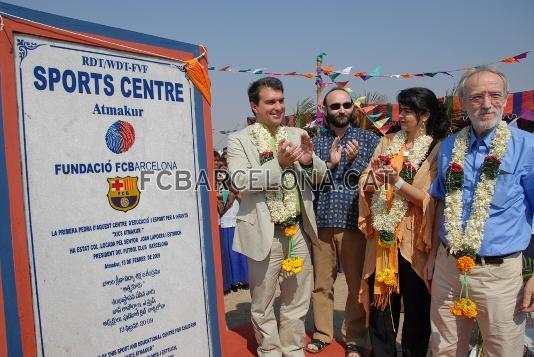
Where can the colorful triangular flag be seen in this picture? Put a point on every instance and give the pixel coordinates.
(375, 72)
(385, 128)
(373, 117)
(346, 70)
(328, 69)
(342, 84)
(358, 101)
(381, 122)
(333, 76)
(368, 108)
(515, 58)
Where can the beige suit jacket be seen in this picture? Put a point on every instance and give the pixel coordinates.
(255, 230)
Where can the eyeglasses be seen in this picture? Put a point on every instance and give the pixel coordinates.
(336, 106)
(495, 98)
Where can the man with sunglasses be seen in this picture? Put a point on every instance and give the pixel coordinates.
(347, 152)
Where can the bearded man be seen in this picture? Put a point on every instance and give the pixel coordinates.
(485, 198)
(347, 152)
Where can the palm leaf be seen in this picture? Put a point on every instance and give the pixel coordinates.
(304, 112)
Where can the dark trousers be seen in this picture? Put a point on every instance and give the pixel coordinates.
(383, 325)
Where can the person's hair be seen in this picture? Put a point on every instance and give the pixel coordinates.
(461, 85)
(256, 86)
(423, 100)
(333, 90)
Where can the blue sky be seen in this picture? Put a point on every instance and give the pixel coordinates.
(283, 36)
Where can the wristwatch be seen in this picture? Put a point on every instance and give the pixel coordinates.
(399, 183)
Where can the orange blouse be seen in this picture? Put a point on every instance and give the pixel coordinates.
(414, 232)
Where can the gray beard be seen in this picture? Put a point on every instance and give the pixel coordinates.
(487, 126)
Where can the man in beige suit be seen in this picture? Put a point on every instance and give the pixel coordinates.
(259, 158)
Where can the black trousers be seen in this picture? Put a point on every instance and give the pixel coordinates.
(383, 325)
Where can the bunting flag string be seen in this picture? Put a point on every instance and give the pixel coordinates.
(261, 71)
(332, 74)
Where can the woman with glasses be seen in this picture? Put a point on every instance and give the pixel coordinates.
(396, 215)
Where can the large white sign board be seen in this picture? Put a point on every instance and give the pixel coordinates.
(116, 267)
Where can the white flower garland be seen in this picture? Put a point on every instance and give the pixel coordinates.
(418, 152)
(282, 203)
(474, 231)
(384, 220)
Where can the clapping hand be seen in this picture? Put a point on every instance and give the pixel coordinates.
(351, 149)
(288, 153)
(306, 145)
(335, 152)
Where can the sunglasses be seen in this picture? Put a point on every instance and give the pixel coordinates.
(336, 106)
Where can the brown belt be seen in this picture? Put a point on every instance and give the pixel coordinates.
(490, 259)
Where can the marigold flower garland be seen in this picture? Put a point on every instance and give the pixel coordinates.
(282, 203)
(386, 221)
(465, 244)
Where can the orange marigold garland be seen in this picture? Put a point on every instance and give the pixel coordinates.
(464, 307)
(465, 264)
(292, 264)
(470, 309)
(291, 230)
(387, 277)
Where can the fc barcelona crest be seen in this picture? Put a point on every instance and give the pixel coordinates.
(123, 194)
